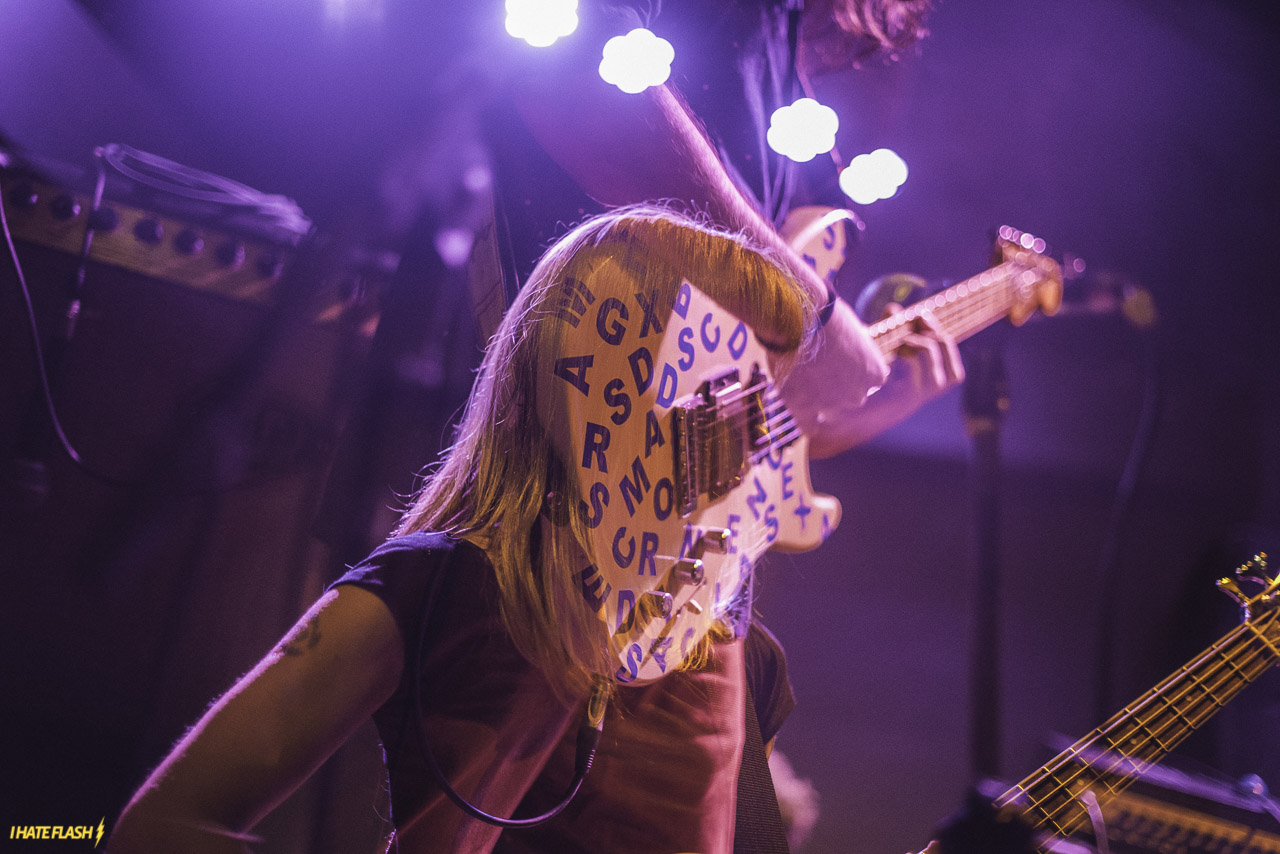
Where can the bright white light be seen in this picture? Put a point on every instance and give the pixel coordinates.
(636, 61)
(339, 13)
(871, 177)
(454, 246)
(803, 130)
(541, 22)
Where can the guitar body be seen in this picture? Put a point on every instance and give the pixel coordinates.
(659, 400)
(687, 464)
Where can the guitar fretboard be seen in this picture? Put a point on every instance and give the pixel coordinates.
(965, 308)
(1120, 750)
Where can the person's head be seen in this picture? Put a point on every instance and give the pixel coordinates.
(505, 482)
(835, 35)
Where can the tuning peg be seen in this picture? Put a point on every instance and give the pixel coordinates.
(1229, 586)
(1014, 237)
(1073, 266)
(1255, 570)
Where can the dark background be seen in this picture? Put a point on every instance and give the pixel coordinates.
(1140, 136)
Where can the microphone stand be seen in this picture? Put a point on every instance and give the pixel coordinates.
(986, 401)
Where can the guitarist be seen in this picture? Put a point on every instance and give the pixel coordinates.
(457, 635)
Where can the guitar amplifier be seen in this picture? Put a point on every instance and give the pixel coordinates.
(228, 248)
(204, 385)
(150, 304)
(1172, 812)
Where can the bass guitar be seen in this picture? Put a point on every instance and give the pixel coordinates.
(692, 466)
(1068, 792)
(1057, 799)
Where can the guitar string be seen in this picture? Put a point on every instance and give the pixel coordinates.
(1222, 657)
(1099, 776)
(962, 295)
(1119, 779)
(962, 309)
(982, 303)
(1222, 654)
(776, 419)
(979, 309)
(1109, 730)
(977, 302)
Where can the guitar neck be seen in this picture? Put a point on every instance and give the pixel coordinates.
(1116, 753)
(963, 309)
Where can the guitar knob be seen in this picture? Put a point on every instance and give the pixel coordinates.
(65, 207)
(715, 540)
(149, 230)
(24, 196)
(230, 254)
(189, 242)
(689, 571)
(657, 603)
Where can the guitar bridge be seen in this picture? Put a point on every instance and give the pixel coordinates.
(714, 431)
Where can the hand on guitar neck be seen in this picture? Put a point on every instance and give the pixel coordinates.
(919, 341)
(925, 364)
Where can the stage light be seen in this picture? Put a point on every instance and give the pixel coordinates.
(541, 22)
(636, 61)
(454, 246)
(803, 130)
(871, 177)
(339, 13)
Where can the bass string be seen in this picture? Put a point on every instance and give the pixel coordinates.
(960, 317)
(1068, 813)
(974, 304)
(1218, 664)
(737, 420)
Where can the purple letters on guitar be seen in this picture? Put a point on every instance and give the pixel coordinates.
(689, 465)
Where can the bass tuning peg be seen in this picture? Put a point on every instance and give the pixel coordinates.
(1255, 569)
(1230, 587)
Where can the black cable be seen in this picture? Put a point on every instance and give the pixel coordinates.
(33, 328)
(588, 733)
(1121, 509)
(175, 179)
(784, 183)
(102, 157)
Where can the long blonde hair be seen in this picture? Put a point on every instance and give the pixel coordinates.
(505, 468)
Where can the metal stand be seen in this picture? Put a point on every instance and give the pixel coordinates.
(985, 402)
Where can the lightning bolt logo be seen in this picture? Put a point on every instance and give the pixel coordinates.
(101, 824)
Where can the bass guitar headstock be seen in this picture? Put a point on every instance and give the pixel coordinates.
(1252, 572)
(1039, 283)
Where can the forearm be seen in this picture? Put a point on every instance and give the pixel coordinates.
(647, 147)
(270, 732)
(141, 831)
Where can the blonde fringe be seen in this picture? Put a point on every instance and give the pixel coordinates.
(494, 483)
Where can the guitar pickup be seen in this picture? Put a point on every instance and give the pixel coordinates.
(713, 430)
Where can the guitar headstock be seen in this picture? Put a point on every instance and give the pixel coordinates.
(1040, 282)
(1254, 573)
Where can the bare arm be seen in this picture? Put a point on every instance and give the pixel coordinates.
(270, 732)
(924, 366)
(646, 147)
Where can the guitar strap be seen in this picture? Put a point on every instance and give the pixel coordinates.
(758, 827)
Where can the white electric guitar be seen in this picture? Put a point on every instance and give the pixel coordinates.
(691, 465)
